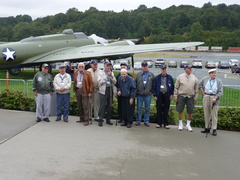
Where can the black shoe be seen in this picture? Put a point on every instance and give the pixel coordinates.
(46, 119)
(123, 124)
(100, 124)
(129, 126)
(214, 133)
(38, 119)
(109, 123)
(120, 121)
(206, 130)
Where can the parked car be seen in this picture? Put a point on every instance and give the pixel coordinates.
(117, 66)
(137, 65)
(183, 63)
(223, 64)
(232, 62)
(101, 65)
(159, 62)
(210, 64)
(197, 63)
(127, 61)
(236, 68)
(172, 64)
(150, 62)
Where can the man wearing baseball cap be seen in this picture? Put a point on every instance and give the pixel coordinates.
(62, 83)
(94, 99)
(106, 82)
(144, 81)
(186, 93)
(43, 90)
(212, 90)
(163, 88)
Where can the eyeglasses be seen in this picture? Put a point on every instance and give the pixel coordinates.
(80, 66)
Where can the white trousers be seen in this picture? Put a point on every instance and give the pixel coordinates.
(43, 102)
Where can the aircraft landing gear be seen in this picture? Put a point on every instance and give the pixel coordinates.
(14, 71)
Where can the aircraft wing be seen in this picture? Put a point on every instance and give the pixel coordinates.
(98, 51)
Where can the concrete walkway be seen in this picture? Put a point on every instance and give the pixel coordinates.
(70, 151)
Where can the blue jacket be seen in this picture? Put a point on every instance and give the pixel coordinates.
(127, 87)
(157, 83)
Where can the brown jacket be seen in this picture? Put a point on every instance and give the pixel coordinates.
(87, 82)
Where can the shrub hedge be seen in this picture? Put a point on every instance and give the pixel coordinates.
(228, 118)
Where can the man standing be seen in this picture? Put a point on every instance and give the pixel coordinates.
(95, 100)
(83, 87)
(144, 83)
(123, 66)
(186, 93)
(106, 81)
(62, 83)
(212, 90)
(43, 90)
(127, 91)
(163, 88)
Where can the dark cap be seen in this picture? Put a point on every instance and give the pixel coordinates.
(45, 65)
(94, 61)
(144, 64)
(163, 66)
(187, 66)
(123, 64)
(107, 63)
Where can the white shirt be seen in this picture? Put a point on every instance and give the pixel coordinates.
(62, 81)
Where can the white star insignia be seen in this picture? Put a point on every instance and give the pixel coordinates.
(9, 54)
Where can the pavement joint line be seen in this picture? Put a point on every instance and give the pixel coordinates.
(7, 139)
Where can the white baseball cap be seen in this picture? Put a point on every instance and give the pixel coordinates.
(212, 70)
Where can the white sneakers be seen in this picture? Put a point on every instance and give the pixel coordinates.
(180, 126)
(188, 126)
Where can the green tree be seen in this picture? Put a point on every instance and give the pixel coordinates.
(196, 31)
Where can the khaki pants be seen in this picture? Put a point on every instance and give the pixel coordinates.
(83, 105)
(207, 107)
(95, 102)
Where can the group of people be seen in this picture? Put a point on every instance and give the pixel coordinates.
(95, 89)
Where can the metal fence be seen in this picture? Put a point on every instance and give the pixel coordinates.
(231, 93)
(13, 84)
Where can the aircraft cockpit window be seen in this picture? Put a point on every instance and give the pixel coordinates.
(80, 35)
(31, 39)
(98, 40)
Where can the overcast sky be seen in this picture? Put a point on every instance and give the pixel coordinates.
(42, 8)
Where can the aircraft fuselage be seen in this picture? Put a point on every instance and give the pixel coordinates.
(16, 53)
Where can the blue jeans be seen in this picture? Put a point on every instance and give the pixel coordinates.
(147, 101)
(63, 105)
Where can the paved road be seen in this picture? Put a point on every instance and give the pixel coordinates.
(70, 151)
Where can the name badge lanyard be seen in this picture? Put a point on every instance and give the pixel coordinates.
(108, 79)
(211, 85)
(145, 77)
(80, 79)
(163, 82)
(62, 78)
